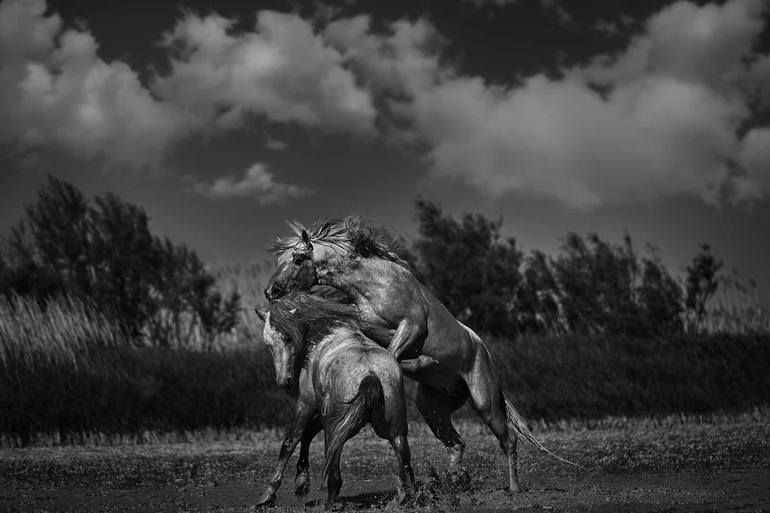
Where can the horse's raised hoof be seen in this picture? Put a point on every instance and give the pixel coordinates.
(515, 487)
(267, 500)
(302, 484)
(426, 361)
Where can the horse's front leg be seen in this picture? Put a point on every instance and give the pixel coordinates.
(302, 417)
(408, 331)
(416, 364)
(302, 482)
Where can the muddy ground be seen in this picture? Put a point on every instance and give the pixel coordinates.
(673, 464)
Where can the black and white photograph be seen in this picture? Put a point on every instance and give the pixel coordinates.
(359, 255)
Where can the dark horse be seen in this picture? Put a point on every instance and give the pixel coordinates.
(345, 381)
(343, 255)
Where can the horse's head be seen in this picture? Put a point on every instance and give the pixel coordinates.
(290, 277)
(299, 258)
(283, 347)
(293, 323)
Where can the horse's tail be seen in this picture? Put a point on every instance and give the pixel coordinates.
(370, 396)
(516, 425)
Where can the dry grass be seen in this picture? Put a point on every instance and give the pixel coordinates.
(53, 333)
(738, 308)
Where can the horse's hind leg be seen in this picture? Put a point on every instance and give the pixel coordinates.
(486, 395)
(437, 408)
(302, 481)
(334, 481)
(400, 446)
(390, 423)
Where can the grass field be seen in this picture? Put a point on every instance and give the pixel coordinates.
(675, 463)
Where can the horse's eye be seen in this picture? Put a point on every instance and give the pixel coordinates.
(299, 258)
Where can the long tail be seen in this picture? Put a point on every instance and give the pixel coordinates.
(370, 396)
(517, 425)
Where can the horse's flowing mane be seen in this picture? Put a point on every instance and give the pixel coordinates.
(348, 236)
(306, 318)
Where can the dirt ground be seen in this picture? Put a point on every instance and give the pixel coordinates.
(717, 464)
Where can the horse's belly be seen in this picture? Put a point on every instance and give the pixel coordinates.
(441, 378)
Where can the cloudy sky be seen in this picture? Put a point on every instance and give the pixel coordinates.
(224, 118)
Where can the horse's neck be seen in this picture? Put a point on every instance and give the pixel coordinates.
(346, 275)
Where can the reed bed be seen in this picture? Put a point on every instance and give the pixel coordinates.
(51, 333)
(737, 308)
(65, 377)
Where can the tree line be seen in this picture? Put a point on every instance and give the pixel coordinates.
(159, 292)
(589, 286)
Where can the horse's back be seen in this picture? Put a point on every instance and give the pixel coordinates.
(346, 361)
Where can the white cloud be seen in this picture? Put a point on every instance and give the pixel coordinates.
(664, 121)
(275, 144)
(56, 91)
(257, 183)
(282, 70)
(755, 158)
(705, 44)
(664, 116)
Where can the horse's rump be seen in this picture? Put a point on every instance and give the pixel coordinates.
(347, 418)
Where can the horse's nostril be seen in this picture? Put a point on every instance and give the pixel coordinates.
(272, 292)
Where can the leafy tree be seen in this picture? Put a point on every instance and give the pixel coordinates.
(574, 269)
(538, 298)
(104, 251)
(660, 296)
(45, 253)
(122, 256)
(701, 283)
(471, 268)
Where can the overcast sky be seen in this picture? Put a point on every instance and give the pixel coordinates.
(224, 118)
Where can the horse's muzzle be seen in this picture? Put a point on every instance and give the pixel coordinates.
(273, 291)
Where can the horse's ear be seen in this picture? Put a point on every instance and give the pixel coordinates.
(261, 313)
(306, 237)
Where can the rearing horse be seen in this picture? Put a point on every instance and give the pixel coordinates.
(343, 255)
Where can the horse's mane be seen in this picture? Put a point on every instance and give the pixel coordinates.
(351, 235)
(301, 316)
(306, 318)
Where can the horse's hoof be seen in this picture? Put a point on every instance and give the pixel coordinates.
(302, 485)
(458, 475)
(425, 361)
(268, 499)
(515, 487)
